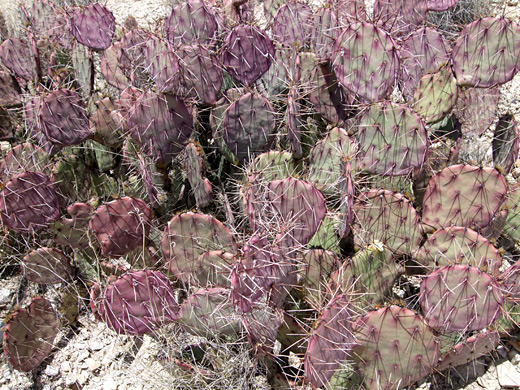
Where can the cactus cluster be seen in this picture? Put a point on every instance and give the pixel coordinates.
(275, 183)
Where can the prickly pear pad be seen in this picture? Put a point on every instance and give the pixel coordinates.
(46, 266)
(460, 298)
(94, 26)
(138, 303)
(463, 195)
(29, 335)
(395, 348)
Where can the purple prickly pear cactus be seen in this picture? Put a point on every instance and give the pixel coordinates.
(46, 266)
(94, 26)
(247, 53)
(331, 342)
(121, 225)
(73, 231)
(292, 24)
(460, 298)
(17, 56)
(29, 202)
(138, 303)
(29, 335)
(63, 118)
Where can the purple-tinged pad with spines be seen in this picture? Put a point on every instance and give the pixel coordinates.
(210, 313)
(131, 56)
(63, 118)
(369, 274)
(366, 61)
(331, 342)
(73, 231)
(459, 297)
(9, 90)
(392, 139)
(469, 349)
(200, 75)
(161, 63)
(292, 25)
(424, 51)
(28, 202)
(18, 57)
(42, 18)
(121, 225)
(510, 282)
(440, 5)
(138, 303)
(190, 22)
(46, 266)
(395, 348)
(31, 110)
(435, 95)
(477, 108)
(127, 99)
(248, 126)
(388, 217)
(325, 30)
(195, 170)
(22, 158)
(110, 69)
(463, 195)
(486, 52)
(298, 209)
(161, 125)
(94, 26)
(29, 335)
(105, 125)
(295, 124)
(400, 16)
(247, 53)
(348, 11)
(505, 144)
(188, 236)
(327, 159)
(459, 245)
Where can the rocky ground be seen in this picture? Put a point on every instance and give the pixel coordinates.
(90, 356)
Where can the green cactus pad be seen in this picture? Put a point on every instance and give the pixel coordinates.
(392, 139)
(194, 165)
(188, 236)
(46, 266)
(387, 217)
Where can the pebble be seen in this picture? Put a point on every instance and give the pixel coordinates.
(97, 345)
(5, 296)
(66, 367)
(109, 384)
(92, 364)
(82, 355)
(508, 375)
(51, 371)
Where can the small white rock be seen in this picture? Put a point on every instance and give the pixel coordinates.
(82, 355)
(92, 364)
(97, 345)
(51, 371)
(109, 384)
(66, 367)
(508, 375)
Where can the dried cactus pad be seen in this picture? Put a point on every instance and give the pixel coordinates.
(387, 217)
(63, 118)
(121, 225)
(138, 303)
(331, 342)
(18, 57)
(395, 348)
(248, 126)
(392, 139)
(486, 52)
(29, 335)
(94, 26)
(459, 245)
(247, 54)
(463, 195)
(188, 236)
(29, 202)
(460, 298)
(46, 266)
(365, 61)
